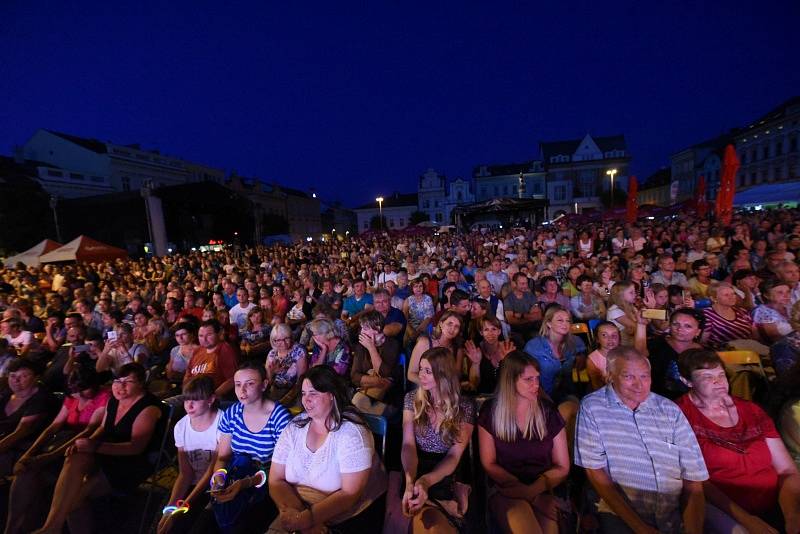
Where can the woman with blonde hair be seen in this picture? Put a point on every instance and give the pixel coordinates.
(523, 449)
(437, 426)
(622, 310)
(447, 334)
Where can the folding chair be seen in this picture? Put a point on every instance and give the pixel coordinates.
(582, 329)
(378, 425)
(737, 363)
(404, 363)
(163, 430)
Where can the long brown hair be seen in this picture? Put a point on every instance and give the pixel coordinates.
(449, 390)
(504, 418)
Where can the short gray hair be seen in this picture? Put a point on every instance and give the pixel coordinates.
(621, 354)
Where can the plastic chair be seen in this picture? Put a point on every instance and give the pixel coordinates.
(378, 425)
(742, 357)
(163, 430)
(582, 329)
(699, 304)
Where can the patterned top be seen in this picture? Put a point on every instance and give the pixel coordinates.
(284, 372)
(257, 445)
(428, 439)
(721, 330)
(338, 358)
(647, 452)
(766, 315)
(256, 336)
(419, 311)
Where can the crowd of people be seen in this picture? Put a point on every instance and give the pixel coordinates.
(572, 376)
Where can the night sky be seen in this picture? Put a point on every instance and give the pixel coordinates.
(358, 99)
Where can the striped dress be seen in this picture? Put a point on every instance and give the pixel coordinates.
(721, 331)
(258, 445)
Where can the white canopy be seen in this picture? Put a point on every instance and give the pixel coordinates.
(31, 256)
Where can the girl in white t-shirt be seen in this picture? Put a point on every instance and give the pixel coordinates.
(196, 437)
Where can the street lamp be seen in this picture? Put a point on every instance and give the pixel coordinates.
(379, 200)
(611, 173)
(53, 205)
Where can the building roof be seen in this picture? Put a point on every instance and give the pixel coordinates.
(90, 144)
(568, 148)
(661, 177)
(395, 200)
(768, 194)
(788, 107)
(505, 169)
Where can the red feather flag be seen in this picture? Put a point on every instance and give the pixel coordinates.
(727, 186)
(700, 198)
(632, 205)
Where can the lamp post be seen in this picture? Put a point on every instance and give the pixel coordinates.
(53, 205)
(379, 200)
(611, 173)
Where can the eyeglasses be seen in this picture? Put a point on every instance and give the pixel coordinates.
(123, 382)
(281, 339)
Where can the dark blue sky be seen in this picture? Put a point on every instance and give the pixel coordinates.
(357, 99)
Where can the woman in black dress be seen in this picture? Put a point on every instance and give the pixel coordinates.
(114, 457)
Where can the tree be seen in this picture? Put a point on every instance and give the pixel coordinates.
(418, 217)
(375, 223)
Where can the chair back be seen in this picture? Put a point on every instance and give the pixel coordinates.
(740, 357)
(377, 425)
(579, 328)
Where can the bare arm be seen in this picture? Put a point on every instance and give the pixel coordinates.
(416, 355)
(24, 429)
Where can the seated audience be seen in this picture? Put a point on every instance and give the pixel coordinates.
(606, 336)
(753, 483)
(446, 334)
(285, 364)
(329, 348)
(437, 427)
(523, 449)
(725, 322)
(25, 409)
(248, 431)
(113, 458)
(325, 471)
(640, 454)
(36, 471)
(490, 353)
(374, 360)
(215, 358)
(196, 439)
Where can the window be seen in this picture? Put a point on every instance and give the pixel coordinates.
(560, 193)
(54, 174)
(391, 222)
(426, 204)
(76, 176)
(436, 204)
(402, 222)
(483, 192)
(537, 188)
(366, 225)
(496, 191)
(97, 179)
(126, 183)
(439, 217)
(459, 196)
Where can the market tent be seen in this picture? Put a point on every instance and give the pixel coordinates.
(768, 194)
(84, 248)
(31, 256)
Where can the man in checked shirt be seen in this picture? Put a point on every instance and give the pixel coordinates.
(640, 454)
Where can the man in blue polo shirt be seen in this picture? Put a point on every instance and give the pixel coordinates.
(360, 302)
(394, 322)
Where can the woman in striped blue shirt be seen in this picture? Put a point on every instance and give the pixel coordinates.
(248, 432)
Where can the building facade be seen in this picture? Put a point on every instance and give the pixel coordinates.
(396, 208)
(118, 167)
(576, 171)
(503, 181)
(702, 159)
(437, 198)
(769, 148)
